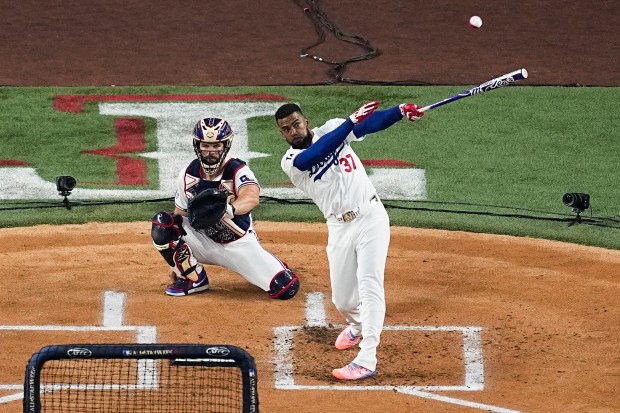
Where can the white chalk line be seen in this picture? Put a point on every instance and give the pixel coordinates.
(11, 397)
(453, 400)
(113, 309)
(315, 317)
(113, 316)
(315, 310)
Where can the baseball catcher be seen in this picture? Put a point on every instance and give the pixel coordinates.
(212, 221)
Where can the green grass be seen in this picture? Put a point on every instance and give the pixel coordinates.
(515, 150)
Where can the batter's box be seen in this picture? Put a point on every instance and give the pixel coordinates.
(417, 358)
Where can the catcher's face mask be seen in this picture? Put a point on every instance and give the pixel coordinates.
(210, 153)
(212, 131)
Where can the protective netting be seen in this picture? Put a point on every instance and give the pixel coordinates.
(139, 385)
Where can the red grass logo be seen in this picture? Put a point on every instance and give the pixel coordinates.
(175, 115)
(130, 131)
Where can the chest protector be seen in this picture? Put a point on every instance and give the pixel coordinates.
(227, 230)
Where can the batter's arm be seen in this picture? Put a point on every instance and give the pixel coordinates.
(377, 121)
(323, 147)
(329, 142)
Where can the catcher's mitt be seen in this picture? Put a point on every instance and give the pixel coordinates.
(207, 208)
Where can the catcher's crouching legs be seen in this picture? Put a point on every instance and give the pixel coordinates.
(189, 276)
(284, 285)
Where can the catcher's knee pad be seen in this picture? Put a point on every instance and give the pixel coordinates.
(166, 228)
(284, 285)
(167, 232)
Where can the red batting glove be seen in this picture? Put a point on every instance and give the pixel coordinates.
(363, 112)
(411, 111)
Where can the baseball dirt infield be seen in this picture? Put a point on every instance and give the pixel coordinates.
(488, 322)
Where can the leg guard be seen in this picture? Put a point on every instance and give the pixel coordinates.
(167, 232)
(166, 228)
(284, 285)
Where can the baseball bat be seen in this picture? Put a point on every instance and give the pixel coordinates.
(484, 87)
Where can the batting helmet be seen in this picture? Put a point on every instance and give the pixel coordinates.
(212, 130)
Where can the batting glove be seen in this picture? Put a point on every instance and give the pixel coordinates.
(363, 112)
(411, 111)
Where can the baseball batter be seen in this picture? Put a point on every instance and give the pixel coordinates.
(322, 163)
(230, 241)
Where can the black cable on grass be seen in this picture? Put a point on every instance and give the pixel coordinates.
(320, 21)
(568, 219)
(267, 199)
(592, 220)
(613, 219)
(501, 214)
(71, 204)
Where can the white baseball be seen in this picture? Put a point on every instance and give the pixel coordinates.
(475, 22)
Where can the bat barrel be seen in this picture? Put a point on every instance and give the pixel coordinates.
(503, 80)
(516, 75)
(500, 81)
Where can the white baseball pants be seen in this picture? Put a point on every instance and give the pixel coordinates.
(357, 252)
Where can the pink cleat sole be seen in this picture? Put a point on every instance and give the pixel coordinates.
(352, 372)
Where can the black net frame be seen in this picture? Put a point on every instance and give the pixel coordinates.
(131, 378)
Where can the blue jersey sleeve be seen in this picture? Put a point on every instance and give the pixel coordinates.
(377, 121)
(323, 147)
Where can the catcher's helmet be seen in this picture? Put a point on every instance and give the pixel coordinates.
(212, 130)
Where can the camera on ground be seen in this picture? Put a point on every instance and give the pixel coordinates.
(578, 201)
(65, 184)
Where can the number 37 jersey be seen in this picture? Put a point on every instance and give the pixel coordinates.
(336, 184)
